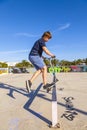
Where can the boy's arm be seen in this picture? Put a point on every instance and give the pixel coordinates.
(47, 51)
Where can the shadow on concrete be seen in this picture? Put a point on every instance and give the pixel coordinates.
(12, 90)
(29, 102)
(31, 98)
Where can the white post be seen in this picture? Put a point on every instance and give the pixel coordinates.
(54, 107)
(54, 101)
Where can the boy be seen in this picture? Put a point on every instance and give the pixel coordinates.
(35, 57)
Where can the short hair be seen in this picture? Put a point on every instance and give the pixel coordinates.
(48, 34)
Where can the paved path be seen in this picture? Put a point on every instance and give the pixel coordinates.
(22, 111)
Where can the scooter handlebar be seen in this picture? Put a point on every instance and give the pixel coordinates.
(50, 59)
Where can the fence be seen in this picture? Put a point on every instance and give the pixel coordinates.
(3, 70)
(73, 68)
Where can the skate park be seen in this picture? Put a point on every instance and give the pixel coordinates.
(20, 110)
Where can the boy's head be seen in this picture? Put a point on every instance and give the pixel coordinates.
(47, 35)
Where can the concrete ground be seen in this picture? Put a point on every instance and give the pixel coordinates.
(22, 111)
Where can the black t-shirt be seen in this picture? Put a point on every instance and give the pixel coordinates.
(37, 48)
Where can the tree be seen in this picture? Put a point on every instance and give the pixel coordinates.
(63, 63)
(3, 65)
(86, 61)
(79, 61)
(47, 62)
(54, 62)
(22, 64)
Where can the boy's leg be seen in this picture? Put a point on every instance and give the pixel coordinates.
(29, 82)
(35, 75)
(44, 75)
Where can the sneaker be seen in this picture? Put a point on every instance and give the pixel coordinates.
(49, 85)
(28, 86)
(46, 86)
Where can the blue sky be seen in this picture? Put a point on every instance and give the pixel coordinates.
(22, 22)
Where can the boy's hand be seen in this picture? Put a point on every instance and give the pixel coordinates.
(53, 56)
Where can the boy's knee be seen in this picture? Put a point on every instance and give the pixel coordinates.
(44, 68)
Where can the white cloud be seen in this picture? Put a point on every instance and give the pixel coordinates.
(12, 52)
(26, 35)
(60, 28)
(64, 26)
